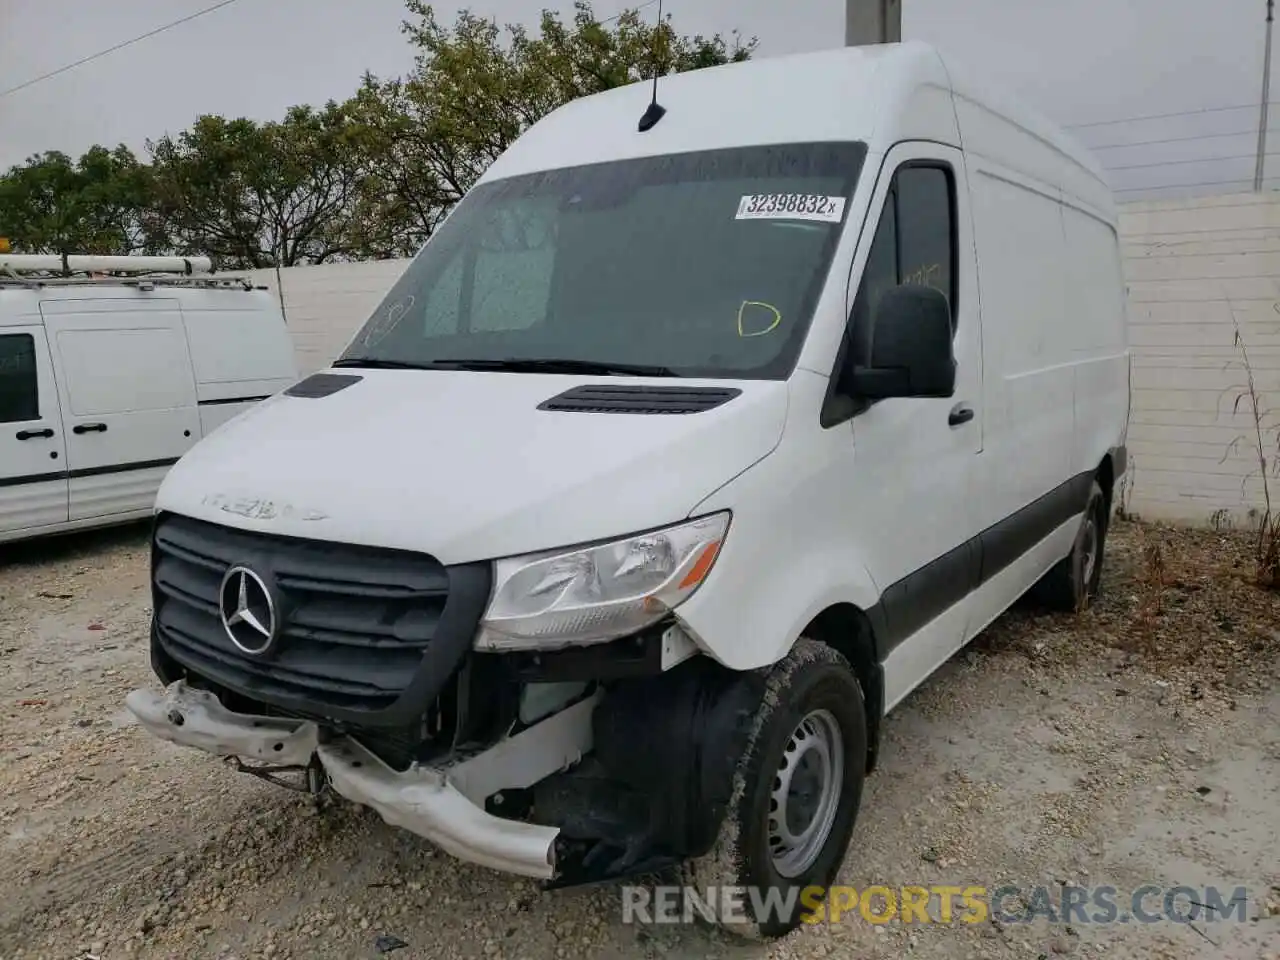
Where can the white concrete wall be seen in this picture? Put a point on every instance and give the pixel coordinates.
(324, 306)
(1195, 267)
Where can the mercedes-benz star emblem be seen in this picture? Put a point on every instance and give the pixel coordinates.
(248, 612)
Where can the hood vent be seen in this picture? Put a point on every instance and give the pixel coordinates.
(321, 385)
(639, 399)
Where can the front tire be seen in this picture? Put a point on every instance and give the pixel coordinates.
(796, 794)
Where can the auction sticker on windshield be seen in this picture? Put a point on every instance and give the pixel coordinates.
(790, 206)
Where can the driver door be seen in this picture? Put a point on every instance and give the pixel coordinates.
(915, 459)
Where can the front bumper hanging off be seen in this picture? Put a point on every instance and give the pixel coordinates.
(444, 804)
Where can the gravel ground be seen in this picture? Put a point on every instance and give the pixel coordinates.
(1137, 743)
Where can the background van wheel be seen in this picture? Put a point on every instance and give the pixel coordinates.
(796, 792)
(1072, 585)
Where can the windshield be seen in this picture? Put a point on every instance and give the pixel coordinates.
(701, 264)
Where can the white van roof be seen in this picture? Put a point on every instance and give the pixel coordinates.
(878, 94)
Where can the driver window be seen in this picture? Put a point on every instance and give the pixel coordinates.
(925, 230)
(879, 274)
(914, 243)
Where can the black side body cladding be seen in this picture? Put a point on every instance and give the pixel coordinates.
(87, 472)
(927, 593)
(33, 478)
(1009, 539)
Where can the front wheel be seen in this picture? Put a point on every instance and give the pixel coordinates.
(795, 798)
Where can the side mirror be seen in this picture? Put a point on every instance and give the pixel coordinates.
(911, 347)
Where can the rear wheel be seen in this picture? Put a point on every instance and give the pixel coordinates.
(796, 794)
(1073, 584)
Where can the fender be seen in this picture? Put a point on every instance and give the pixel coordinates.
(783, 561)
(755, 628)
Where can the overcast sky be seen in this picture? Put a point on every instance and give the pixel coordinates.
(1081, 61)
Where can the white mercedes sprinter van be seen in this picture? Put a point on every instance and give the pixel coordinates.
(111, 368)
(680, 454)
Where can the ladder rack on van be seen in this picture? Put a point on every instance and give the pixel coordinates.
(39, 270)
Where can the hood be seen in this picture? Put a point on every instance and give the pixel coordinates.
(464, 465)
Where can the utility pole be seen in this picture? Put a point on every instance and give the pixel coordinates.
(873, 21)
(1266, 96)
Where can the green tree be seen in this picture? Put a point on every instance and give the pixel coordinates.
(97, 204)
(413, 182)
(269, 194)
(369, 178)
(476, 87)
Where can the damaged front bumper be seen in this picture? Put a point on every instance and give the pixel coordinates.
(442, 804)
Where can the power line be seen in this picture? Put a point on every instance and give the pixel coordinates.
(119, 46)
(1175, 163)
(187, 19)
(1182, 186)
(620, 13)
(1160, 116)
(1186, 139)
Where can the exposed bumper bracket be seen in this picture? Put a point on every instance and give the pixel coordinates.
(195, 718)
(423, 800)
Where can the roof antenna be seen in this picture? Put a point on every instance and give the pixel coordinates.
(655, 110)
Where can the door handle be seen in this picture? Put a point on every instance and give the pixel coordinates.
(46, 433)
(960, 413)
(89, 428)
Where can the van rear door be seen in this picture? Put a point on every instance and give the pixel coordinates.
(33, 452)
(128, 398)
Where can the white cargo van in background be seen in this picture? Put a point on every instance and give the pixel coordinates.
(111, 368)
(683, 451)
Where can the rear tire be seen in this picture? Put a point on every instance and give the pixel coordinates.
(1073, 584)
(795, 796)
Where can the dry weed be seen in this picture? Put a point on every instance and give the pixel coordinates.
(1263, 442)
(1183, 601)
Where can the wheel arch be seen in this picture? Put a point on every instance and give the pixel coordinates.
(848, 630)
(1106, 477)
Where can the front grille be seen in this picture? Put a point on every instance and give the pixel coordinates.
(355, 622)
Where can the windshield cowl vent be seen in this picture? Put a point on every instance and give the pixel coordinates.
(321, 385)
(639, 399)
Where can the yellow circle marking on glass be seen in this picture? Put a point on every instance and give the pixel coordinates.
(773, 325)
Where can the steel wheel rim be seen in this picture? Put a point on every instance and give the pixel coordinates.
(1090, 537)
(805, 796)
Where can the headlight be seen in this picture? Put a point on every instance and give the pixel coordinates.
(601, 592)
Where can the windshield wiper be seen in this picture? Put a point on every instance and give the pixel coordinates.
(375, 364)
(559, 365)
(515, 365)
